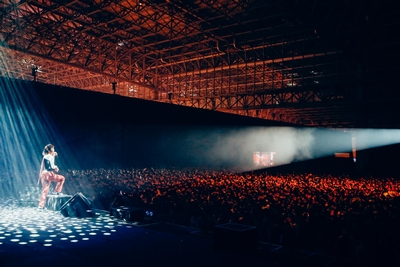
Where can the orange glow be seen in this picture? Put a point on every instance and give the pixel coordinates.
(342, 155)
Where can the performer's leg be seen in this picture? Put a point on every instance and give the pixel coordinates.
(45, 190)
(60, 182)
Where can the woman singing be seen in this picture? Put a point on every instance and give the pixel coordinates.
(48, 174)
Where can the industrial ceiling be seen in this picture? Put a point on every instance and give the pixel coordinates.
(315, 63)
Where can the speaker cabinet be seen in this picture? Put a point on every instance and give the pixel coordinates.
(235, 237)
(77, 206)
(127, 213)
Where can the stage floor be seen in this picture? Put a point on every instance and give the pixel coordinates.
(29, 237)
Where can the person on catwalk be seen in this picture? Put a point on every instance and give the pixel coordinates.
(48, 174)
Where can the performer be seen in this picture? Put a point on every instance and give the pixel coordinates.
(48, 174)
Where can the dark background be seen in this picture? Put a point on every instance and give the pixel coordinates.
(96, 130)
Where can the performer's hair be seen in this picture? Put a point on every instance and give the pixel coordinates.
(47, 149)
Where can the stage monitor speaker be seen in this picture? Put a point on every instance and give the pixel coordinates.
(77, 206)
(127, 213)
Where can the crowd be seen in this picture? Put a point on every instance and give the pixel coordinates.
(352, 218)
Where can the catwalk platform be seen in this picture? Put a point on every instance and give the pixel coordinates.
(29, 237)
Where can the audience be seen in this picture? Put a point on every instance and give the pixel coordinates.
(350, 218)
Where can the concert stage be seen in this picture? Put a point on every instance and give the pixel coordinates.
(29, 237)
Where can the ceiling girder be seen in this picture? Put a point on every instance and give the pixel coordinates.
(320, 61)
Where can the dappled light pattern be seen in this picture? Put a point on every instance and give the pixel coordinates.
(28, 225)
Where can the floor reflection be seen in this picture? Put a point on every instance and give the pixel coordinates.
(25, 225)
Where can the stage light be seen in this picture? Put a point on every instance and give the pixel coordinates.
(236, 147)
(26, 127)
(148, 215)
